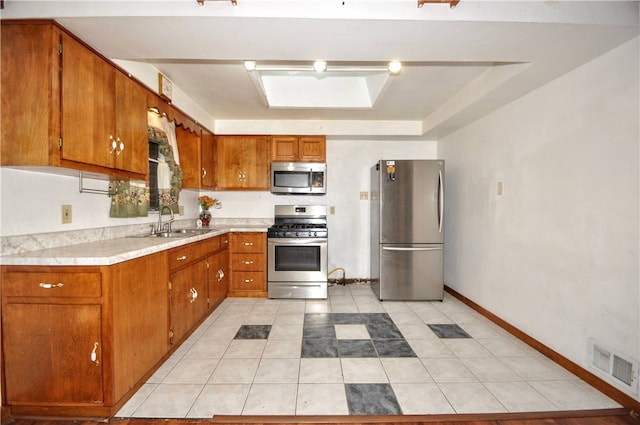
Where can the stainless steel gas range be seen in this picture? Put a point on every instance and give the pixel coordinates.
(297, 252)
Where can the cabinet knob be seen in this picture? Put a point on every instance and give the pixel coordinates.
(204, 172)
(121, 146)
(50, 285)
(114, 144)
(220, 275)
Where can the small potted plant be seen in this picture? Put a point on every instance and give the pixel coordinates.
(207, 202)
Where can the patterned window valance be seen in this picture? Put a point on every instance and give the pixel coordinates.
(130, 198)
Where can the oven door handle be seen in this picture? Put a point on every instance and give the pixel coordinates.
(296, 241)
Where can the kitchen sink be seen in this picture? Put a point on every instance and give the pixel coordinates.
(180, 233)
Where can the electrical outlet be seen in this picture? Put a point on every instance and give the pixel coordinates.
(364, 196)
(66, 214)
(181, 209)
(500, 189)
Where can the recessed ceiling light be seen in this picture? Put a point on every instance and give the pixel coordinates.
(394, 67)
(249, 65)
(320, 66)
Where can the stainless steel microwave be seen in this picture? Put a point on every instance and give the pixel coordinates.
(298, 178)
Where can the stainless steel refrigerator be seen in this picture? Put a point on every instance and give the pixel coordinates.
(407, 239)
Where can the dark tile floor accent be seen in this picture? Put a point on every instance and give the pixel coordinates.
(449, 331)
(356, 348)
(319, 347)
(393, 348)
(371, 399)
(319, 336)
(381, 330)
(253, 332)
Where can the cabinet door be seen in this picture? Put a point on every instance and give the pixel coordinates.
(188, 299)
(284, 148)
(218, 278)
(230, 162)
(242, 162)
(88, 112)
(30, 88)
(312, 148)
(48, 358)
(207, 161)
(189, 150)
(256, 165)
(132, 151)
(140, 314)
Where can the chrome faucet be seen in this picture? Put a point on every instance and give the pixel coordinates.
(167, 226)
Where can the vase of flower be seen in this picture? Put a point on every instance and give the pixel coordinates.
(207, 202)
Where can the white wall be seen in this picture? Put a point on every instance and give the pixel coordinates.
(31, 202)
(557, 254)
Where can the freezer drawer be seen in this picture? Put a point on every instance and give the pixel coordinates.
(411, 272)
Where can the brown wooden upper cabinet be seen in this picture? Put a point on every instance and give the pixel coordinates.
(65, 106)
(207, 160)
(298, 148)
(189, 150)
(242, 162)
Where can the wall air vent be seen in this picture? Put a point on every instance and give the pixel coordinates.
(618, 369)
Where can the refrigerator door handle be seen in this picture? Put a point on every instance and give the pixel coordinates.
(440, 201)
(388, 248)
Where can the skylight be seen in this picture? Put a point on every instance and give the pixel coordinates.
(333, 89)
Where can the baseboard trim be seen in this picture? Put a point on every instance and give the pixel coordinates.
(624, 399)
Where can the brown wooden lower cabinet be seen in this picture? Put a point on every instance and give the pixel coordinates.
(79, 341)
(248, 258)
(72, 336)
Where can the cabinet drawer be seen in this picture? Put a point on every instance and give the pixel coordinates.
(207, 247)
(248, 281)
(248, 242)
(56, 284)
(182, 255)
(248, 262)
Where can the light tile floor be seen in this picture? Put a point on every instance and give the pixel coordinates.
(475, 368)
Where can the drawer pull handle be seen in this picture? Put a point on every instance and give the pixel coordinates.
(247, 262)
(248, 243)
(248, 280)
(94, 354)
(51, 285)
(194, 294)
(184, 257)
(220, 275)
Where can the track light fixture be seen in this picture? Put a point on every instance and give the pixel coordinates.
(452, 3)
(320, 66)
(393, 67)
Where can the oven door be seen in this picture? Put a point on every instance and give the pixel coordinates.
(297, 268)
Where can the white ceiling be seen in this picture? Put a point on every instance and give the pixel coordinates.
(458, 64)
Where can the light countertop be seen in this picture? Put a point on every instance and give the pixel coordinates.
(113, 251)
